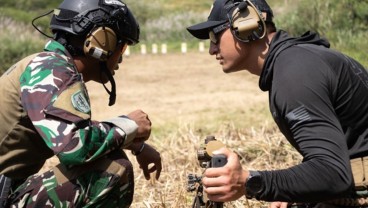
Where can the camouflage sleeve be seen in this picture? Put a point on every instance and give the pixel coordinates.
(57, 102)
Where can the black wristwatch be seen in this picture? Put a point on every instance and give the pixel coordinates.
(253, 185)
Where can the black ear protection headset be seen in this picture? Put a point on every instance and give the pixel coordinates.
(246, 21)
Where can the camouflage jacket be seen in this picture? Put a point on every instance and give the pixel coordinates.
(52, 116)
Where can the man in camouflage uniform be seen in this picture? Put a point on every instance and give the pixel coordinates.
(46, 111)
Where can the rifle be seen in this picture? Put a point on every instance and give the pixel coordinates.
(206, 160)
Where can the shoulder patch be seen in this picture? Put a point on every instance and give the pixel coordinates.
(74, 100)
(80, 102)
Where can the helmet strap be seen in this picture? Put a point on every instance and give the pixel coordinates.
(112, 92)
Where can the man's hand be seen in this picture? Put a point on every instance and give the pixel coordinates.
(225, 183)
(148, 156)
(144, 125)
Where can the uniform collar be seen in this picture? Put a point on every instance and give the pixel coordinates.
(54, 46)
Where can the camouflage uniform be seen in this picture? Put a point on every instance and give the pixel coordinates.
(46, 112)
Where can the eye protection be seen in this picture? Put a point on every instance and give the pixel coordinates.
(123, 46)
(216, 31)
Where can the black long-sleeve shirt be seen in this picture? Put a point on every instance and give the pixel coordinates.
(319, 99)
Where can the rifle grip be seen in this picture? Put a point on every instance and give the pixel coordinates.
(218, 161)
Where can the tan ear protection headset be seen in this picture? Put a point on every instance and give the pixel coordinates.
(100, 43)
(246, 22)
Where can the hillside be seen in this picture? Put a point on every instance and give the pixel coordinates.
(165, 21)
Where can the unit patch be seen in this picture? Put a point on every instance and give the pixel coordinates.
(74, 100)
(80, 102)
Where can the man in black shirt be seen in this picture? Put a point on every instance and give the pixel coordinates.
(318, 98)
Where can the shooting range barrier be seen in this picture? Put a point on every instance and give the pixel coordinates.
(163, 49)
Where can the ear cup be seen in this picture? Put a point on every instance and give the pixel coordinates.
(247, 24)
(100, 43)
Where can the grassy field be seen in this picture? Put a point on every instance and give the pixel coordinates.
(188, 97)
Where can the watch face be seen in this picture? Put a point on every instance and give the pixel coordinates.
(254, 184)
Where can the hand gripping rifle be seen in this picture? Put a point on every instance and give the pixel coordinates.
(206, 160)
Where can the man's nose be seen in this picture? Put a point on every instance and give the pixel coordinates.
(213, 48)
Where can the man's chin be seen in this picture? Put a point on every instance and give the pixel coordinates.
(103, 80)
(226, 70)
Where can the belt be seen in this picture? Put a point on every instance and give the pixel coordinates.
(359, 167)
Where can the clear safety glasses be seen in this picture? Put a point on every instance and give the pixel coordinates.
(123, 48)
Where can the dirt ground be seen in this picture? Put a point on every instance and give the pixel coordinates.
(180, 89)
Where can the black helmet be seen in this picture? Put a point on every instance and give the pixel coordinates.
(79, 17)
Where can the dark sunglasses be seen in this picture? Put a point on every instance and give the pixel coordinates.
(213, 34)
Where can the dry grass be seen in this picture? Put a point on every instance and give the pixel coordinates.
(188, 97)
(260, 149)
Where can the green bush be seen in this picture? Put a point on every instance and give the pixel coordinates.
(17, 41)
(26, 17)
(344, 23)
(325, 16)
(12, 51)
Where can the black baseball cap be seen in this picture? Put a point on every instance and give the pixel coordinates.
(219, 15)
